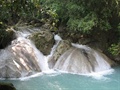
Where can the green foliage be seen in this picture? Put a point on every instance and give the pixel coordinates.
(84, 24)
(49, 15)
(16, 9)
(115, 49)
(84, 15)
(11, 11)
(89, 17)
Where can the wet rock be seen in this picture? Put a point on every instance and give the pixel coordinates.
(63, 46)
(83, 60)
(9, 72)
(44, 41)
(19, 60)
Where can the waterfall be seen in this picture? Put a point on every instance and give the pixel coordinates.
(82, 59)
(22, 58)
(39, 57)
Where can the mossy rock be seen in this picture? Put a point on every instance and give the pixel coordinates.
(44, 41)
(7, 86)
(63, 46)
(6, 36)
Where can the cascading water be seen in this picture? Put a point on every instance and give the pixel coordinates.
(83, 60)
(22, 58)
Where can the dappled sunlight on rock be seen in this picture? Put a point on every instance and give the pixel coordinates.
(19, 57)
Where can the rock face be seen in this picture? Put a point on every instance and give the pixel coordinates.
(44, 41)
(62, 46)
(83, 60)
(18, 60)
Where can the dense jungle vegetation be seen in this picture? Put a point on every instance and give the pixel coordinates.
(96, 19)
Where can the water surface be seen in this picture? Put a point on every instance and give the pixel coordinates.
(66, 81)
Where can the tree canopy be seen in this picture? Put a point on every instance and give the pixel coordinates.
(77, 16)
(93, 17)
(85, 15)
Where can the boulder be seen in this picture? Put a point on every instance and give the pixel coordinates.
(7, 86)
(44, 41)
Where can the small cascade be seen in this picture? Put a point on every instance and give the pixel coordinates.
(49, 58)
(83, 60)
(57, 39)
(21, 58)
(103, 63)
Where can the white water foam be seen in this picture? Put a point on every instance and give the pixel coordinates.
(41, 59)
(95, 75)
(57, 39)
(102, 75)
(81, 46)
(50, 73)
(102, 64)
(25, 31)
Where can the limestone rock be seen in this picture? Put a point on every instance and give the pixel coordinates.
(83, 60)
(18, 60)
(44, 41)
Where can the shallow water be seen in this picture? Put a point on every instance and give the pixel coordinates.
(66, 81)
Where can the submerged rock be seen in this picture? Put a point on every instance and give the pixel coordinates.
(83, 60)
(44, 41)
(7, 86)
